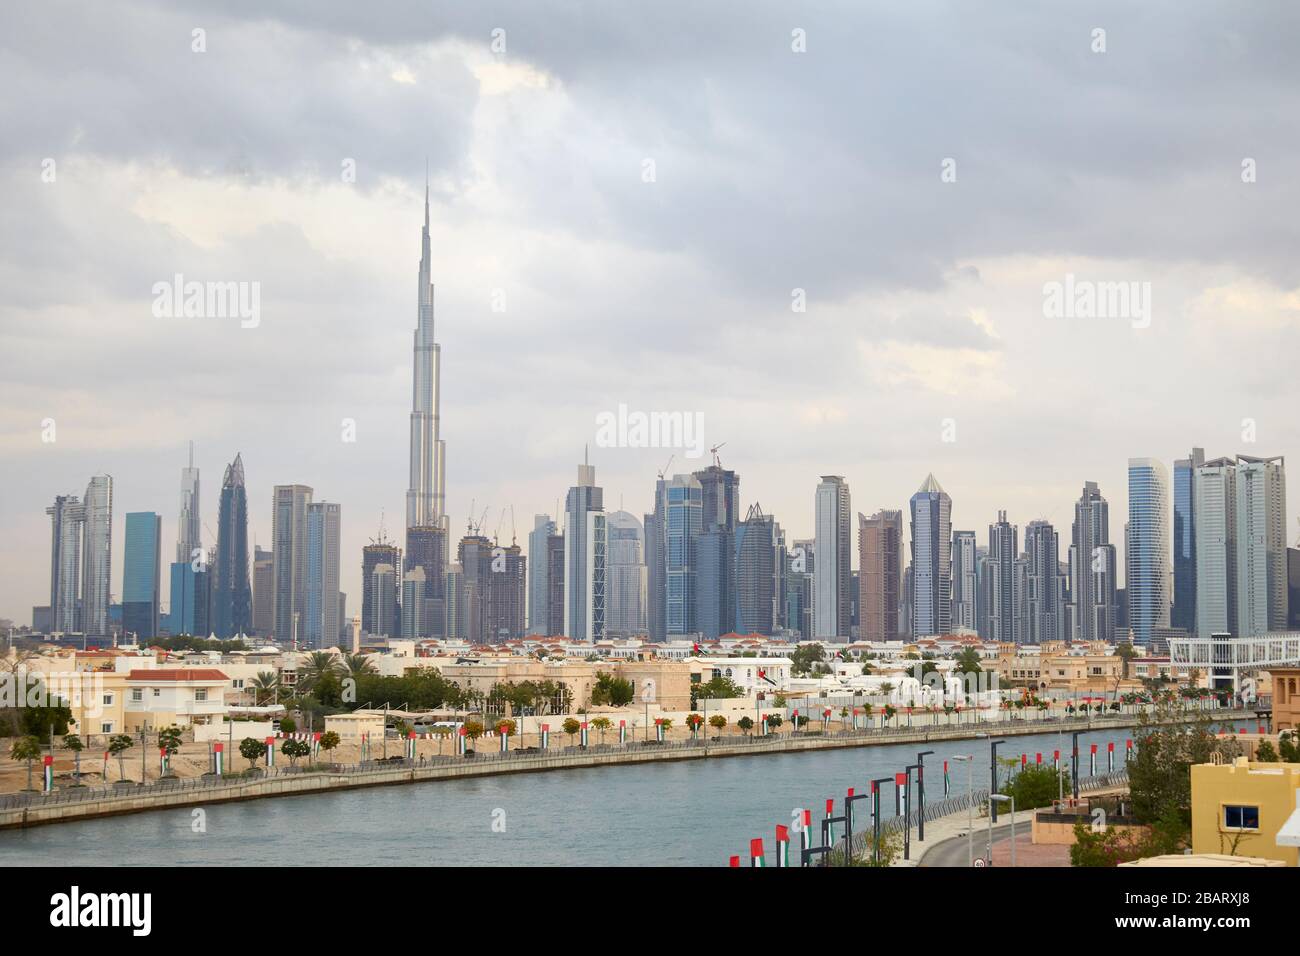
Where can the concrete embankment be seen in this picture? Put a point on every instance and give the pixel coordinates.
(136, 800)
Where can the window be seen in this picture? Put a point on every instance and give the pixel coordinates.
(137, 695)
(1240, 818)
(106, 727)
(108, 700)
(201, 694)
(157, 691)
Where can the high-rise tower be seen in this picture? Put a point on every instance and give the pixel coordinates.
(232, 600)
(425, 502)
(189, 541)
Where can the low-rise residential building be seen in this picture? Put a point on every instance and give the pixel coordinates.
(1286, 698)
(1239, 808)
(161, 697)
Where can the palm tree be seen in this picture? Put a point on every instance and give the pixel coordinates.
(354, 665)
(319, 663)
(265, 683)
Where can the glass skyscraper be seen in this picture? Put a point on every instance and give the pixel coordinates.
(1184, 611)
(142, 574)
(683, 504)
(232, 599)
(1148, 572)
(931, 560)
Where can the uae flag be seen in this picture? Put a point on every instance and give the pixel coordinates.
(762, 675)
(49, 772)
(947, 781)
(756, 852)
(1110, 756)
(782, 845)
(270, 751)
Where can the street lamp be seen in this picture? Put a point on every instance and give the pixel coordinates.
(907, 809)
(1074, 765)
(994, 800)
(875, 816)
(969, 761)
(993, 780)
(920, 793)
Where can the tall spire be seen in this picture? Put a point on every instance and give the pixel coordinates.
(425, 492)
(426, 195)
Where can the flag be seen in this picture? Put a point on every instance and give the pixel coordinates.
(756, 852)
(782, 846)
(946, 780)
(270, 751)
(49, 772)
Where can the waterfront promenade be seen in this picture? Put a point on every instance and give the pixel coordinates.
(28, 809)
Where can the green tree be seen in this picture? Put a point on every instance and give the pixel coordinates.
(329, 740)
(693, 723)
(355, 665)
(319, 664)
(1037, 785)
(1105, 846)
(804, 658)
(968, 661)
(1288, 747)
(601, 724)
(474, 730)
(252, 750)
(571, 726)
(293, 749)
(288, 725)
(169, 739)
(718, 723)
(26, 748)
(265, 686)
(719, 688)
(118, 745)
(746, 724)
(1265, 753)
(73, 743)
(611, 691)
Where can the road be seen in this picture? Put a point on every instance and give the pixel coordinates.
(952, 852)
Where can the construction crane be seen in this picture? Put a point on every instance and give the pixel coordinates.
(717, 462)
(497, 535)
(664, 470)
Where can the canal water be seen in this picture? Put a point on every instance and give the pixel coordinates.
(687, 813)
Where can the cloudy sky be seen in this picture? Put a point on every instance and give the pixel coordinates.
(643, 187)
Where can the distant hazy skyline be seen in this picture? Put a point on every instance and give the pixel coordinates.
(773, 171)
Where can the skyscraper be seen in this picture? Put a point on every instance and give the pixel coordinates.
(232, 602)
(190, 597)
(656, 562)
(142, 574)
(289, 506)
(1003, 551)
(555, 592)
(880, 555)
(474, 555)
(585, 544)
(760, 557)
(1044, 586)
(931, 559)
(97, 556)
(1093, 569)
(379, 613)
(426, 547)
(964, 581)
(413, 604)
(323, 620)
(682, 508)
(1215, 508)
(1148, 558)
(832, 603)
(68, 518)
(625, 575)
(263, 591)
(1261, 545)
(189, 538)
(507, 593)
(538, 569)
(425, 496)
(715, 577)
(1184, 611)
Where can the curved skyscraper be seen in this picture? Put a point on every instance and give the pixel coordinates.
(931, 560)
(232, 598)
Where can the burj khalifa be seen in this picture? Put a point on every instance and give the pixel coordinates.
(426, 516)
(425, 502)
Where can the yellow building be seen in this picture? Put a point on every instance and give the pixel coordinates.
(1238, 808)
(1286, 698)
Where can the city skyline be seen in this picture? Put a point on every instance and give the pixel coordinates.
(935, 330)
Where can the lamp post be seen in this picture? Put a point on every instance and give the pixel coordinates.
(1074, 765)
(993, 781)
(875, 817)
(907, 810)
(969, 761)
(920, 793)
(994, 799)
